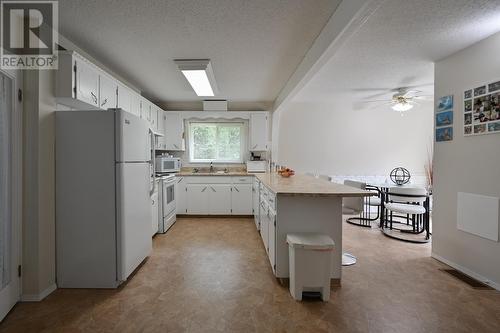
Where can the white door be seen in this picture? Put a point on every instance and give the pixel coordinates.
(132, 138)
(87, 83)
(135, 104)
(10, 189)
(174, 131)
(258, 132)
(108, 89)
(125, 100)
(264, 227)
(133, 216)
(155, 210)
(197, 199)
(241, 199)
(180, 192)
(145, 109)
(219, 199)
(272, 238)
(255, 202)
(160, 128)
(154, 118)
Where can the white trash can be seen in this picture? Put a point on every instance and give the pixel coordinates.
(310, 256)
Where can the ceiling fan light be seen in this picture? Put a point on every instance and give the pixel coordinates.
(401, 107)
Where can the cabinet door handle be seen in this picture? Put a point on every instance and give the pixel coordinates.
(94, 97)
(104, 102)
(255, 146)
(236, 189)
(176, 146)
(204, 189)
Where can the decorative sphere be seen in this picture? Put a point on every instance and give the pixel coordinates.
(400, 176)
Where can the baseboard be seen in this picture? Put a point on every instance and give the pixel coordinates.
(466, 271)
(40, 296)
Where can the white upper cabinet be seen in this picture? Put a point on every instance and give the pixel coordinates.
(87, 82)
(174, 131)
(135, 104)
(153, 119)
(160, 128)
(108, 89)
(146, 107)
(258, 132)
(125, 99)
(83, 86)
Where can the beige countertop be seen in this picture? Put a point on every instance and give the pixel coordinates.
(308, 185)
(213, 174)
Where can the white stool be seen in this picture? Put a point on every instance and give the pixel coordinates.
(310, 256)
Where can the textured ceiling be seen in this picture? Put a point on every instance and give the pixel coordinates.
(398, 45)
(254, 45)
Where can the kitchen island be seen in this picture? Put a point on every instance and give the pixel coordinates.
(301, 203)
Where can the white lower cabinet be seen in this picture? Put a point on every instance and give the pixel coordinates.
(241, 199)
(219, 199)
(214, 195)
(180, 195)
(197, 199)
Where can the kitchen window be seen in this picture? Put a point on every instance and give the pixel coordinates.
(218, 142)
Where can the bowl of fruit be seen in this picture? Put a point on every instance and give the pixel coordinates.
(286, 172)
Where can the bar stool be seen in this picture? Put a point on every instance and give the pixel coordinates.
(365, 216)
(352, 206)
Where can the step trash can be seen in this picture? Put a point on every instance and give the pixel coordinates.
(310, 256)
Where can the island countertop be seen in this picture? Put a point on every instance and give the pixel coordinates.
(308, 186)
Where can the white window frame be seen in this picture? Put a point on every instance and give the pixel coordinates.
(243, 142)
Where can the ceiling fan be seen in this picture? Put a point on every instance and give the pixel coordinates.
(403, 99)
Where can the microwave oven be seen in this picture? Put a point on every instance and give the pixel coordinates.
(164, 164)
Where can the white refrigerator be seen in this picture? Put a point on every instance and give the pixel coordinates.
(103, 206)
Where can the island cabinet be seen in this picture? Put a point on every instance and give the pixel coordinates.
(255, 202)
(301, 204)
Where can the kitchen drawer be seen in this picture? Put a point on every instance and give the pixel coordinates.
(208, 180)
(242, 180)
(269, 197)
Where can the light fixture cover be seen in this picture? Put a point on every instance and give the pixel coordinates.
(402, 107)
(199, 74)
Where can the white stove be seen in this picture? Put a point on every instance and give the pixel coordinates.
(167, 200)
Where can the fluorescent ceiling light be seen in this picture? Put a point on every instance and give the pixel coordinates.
(402, 107)
(199, 75)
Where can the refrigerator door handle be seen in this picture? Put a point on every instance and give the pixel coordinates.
(153, 166)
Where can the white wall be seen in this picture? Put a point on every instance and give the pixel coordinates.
(38, 189)
(332, 138)
(39, 104)
(466, 164)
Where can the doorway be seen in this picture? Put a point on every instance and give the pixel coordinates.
(10, 189)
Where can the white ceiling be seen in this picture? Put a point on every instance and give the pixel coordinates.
(398, 45)
(254, 45)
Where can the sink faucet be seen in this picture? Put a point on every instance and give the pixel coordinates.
(211, 167)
